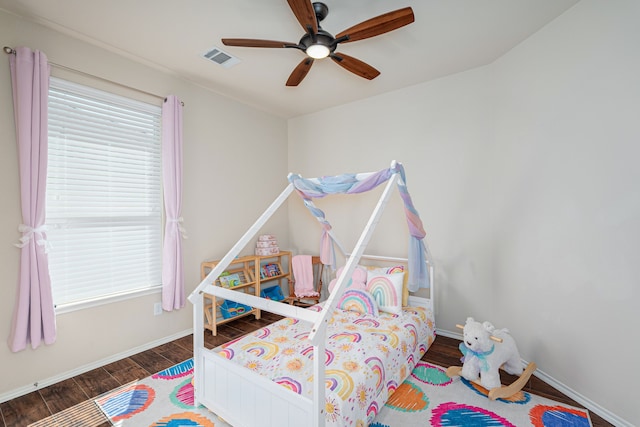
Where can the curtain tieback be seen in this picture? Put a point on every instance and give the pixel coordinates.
(28, 234)
(179, 221)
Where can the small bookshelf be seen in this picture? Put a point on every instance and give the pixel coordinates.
(244, 274)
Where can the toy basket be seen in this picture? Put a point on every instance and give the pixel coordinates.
(232, 309)
(273, 293)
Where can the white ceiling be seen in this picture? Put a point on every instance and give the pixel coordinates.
(447, 37)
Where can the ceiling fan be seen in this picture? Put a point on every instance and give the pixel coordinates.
(318, 43)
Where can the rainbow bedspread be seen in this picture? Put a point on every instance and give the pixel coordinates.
(367, 358)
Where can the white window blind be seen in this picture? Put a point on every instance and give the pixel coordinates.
(104, 195)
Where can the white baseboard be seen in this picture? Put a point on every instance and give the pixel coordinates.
(562, 388)
(586, 402)
(449, 334)
(86, 368)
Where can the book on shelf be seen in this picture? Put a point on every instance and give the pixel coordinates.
(269, 270)
(230, 280)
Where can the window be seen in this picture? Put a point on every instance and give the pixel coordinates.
(104, 195)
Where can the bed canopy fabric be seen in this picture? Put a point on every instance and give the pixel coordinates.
(316, 188)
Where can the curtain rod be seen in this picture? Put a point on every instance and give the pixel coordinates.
(11, 51)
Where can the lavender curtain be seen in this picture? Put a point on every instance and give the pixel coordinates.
(173, 296)
(34, 316)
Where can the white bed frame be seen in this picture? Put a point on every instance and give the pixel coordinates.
(244, 398)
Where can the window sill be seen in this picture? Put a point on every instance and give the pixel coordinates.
(81, 305)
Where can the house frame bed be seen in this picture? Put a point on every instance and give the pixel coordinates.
(245, 398)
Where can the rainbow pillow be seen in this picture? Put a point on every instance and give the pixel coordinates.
(358, 300)
(396, 269)
(386, 290)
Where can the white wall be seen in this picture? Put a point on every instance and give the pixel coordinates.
(568, 219)
(525, 174)
(226, 186)
(440, 132)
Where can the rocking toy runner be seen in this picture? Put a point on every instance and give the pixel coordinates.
(485, 350)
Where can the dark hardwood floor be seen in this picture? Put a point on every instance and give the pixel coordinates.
(47, 401)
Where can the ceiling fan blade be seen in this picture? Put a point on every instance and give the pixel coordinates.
(256, 43)
(306, 16)
(379, 25)
(300, 72)
(356, 66)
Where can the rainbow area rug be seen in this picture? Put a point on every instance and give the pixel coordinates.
(427, 398)
(430, 398)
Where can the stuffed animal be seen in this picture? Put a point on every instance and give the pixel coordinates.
(483, 354)
(358, 279)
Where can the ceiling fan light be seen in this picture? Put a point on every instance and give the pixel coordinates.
(318, 51)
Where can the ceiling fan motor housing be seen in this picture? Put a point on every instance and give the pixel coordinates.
(321, 10)
(323, 38)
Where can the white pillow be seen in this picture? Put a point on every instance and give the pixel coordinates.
(386, 290)
(396, 269)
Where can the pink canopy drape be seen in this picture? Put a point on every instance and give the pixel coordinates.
(34, 316)
(173, 296)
